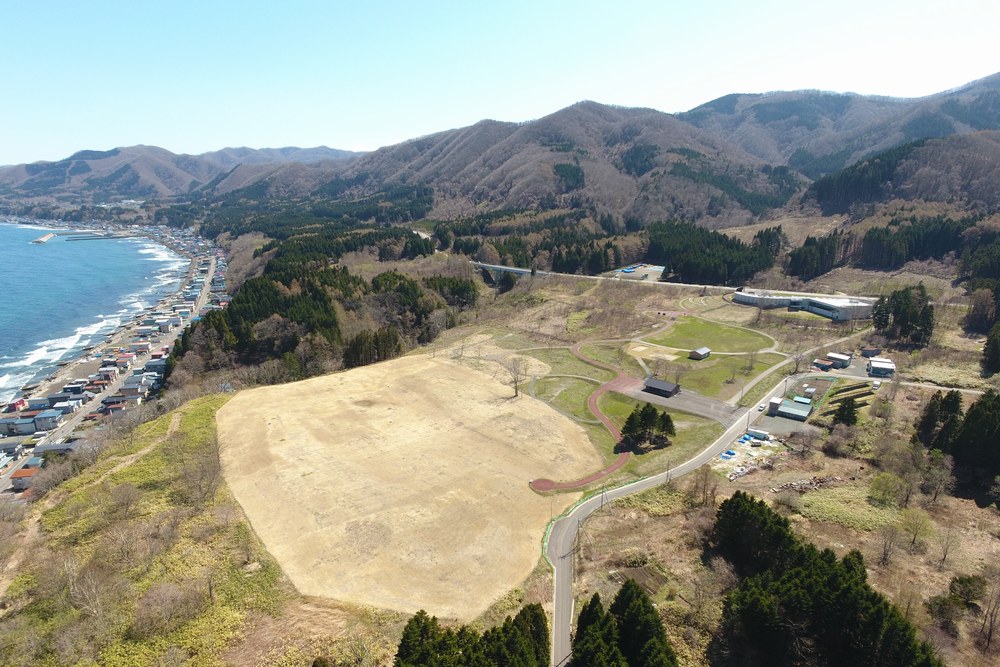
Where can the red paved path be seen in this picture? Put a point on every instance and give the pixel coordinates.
(620, 382)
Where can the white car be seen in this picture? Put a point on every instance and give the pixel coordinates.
(760, 408)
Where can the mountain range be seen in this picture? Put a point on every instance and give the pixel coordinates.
(723, 163)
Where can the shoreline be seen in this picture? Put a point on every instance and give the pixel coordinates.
(87, 360)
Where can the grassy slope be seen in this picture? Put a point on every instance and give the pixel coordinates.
(185, 586)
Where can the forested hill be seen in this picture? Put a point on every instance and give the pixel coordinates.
(633, 163)
(962, 169)
(144, 172)
(818, 133)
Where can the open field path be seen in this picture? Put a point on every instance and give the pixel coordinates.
(621, 383)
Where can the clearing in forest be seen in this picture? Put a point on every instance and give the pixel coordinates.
(402, 485)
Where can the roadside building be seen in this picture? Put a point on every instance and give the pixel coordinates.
(794, 410)
(700, 353)
(8, 425)
(38, 403)
(24, 426)
(661, 387)
(839, 360)
(881, 367)
(22, 479)
(48, 420)
(12, 450)
(823, 364)
(772, 406)
(16, 404)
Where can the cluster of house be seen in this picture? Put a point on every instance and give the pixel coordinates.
(833, 360)
(136, 367)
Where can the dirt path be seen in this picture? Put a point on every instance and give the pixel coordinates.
(620, 382)
(32, 530)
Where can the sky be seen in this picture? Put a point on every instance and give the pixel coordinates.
(198, 76)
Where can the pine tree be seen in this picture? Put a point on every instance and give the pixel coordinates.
(991, 352)
(665, 425)
(929, 419)
(639, 626)
(596, 641)
(847, 412)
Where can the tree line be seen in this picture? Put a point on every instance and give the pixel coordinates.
(696, 255)
(906, 315)
(522, 641)
(865, 181)
(971, 440)
(797, 605)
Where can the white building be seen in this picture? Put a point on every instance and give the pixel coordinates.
(837, 308)
(881, 367)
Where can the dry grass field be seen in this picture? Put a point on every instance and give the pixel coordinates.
(401, 485)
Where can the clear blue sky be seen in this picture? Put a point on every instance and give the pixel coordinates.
(198, 76)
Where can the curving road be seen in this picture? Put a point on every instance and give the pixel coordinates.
(560, 546)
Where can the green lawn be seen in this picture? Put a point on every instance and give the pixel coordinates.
(693, 434)
(567, 394)
(564, 362)
(847, 505)
(710, 377)
(689, 333)
(614, 355)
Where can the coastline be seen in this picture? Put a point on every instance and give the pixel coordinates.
(86, 360)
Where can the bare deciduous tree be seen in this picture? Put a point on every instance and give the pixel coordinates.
(517, 370)
(947, 538)
(124, 500)
(888, 540)
(991, 616)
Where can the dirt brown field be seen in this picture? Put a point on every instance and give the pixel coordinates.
(401, 485)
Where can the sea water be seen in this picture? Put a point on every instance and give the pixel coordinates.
(61, 296)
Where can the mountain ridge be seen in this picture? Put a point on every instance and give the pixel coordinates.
(722, 163)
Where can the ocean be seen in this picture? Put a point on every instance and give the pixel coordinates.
(62, 296)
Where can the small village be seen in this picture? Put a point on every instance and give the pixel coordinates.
(53, 417)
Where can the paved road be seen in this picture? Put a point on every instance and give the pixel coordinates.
(561, 550)
(561, 547)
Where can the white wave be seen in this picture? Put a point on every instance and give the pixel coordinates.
(47, 351)
(10, 384)
(29, 225)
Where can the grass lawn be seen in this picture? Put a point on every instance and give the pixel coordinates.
(614, 355)
(710, 377)
(567, 394)
(564, 362)
(689, 333)
(848, 506)
(693, 434)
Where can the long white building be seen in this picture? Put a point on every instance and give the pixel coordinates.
(837, 308)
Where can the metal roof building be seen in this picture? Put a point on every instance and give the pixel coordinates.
(793, 410)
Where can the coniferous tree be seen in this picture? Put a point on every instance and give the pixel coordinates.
(991, 352)
(929, 419)
(596, 640)
(641, 637)
(847, 412)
